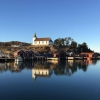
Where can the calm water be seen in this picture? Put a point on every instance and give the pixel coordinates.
(65, 80)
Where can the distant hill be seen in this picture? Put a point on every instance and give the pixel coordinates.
(8, 49)
(11, 42)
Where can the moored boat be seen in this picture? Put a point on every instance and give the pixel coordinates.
(18, 59)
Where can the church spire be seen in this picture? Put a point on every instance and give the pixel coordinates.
(35, 35)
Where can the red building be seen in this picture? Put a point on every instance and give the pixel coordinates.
(61, 54)
(89, 54)
(24, 54)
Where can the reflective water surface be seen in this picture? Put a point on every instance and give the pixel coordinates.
(50, 80)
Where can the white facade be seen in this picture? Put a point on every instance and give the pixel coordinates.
(41, 41)
(33, 40)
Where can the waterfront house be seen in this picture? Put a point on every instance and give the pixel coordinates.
(19, 53)
(41, 41)
(60, 54)
(89, 54)
(29, 54)
(24, 54)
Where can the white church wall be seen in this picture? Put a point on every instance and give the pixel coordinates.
(41, 43)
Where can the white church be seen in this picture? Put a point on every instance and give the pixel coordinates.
(41, 41)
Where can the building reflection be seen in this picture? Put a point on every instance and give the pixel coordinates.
(9, 66)
(59, 68)
(42, 69)
(41, 72)
(15, 66)
(47, 68)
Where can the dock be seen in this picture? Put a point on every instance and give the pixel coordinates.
(52, 58)
(6, 59)
(49, 58)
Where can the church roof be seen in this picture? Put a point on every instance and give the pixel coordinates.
(42, 39)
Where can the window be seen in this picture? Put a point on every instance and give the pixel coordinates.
(39, 42)
(42, 41)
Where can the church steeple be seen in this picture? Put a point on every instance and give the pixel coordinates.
(35, 35)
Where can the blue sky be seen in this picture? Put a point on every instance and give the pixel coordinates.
(78, 19)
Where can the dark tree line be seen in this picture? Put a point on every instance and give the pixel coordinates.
(70, 43)
(63, 41)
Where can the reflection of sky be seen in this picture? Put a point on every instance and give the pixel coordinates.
(80, 86)
(59, 68)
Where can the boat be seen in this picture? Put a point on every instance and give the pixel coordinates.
(18, 59)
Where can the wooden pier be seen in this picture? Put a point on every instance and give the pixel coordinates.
(6, 59)
(49, 58)
(52, 58)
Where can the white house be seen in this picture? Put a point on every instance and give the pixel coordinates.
(16, 44)
(41, 41)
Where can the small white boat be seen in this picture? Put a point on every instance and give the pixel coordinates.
(18, 59)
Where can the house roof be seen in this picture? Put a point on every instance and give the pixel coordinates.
(42, 39)
(24, 51)
(18, 51)
(16, 43)
(87, 52)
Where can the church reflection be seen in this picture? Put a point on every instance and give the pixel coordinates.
(60, 68)
(41, 72)
(47, 68)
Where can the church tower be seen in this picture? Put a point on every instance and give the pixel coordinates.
(34, 37)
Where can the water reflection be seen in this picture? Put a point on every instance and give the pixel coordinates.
(15, 66)
(47, 68)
